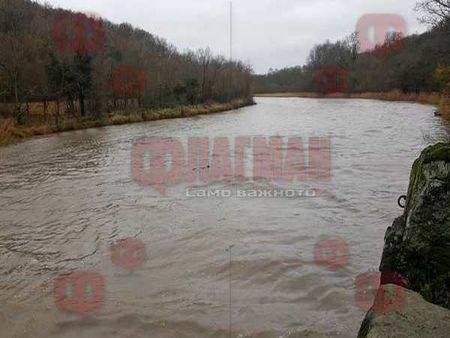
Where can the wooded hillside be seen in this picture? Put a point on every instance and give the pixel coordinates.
(88, 66)
(417, 63)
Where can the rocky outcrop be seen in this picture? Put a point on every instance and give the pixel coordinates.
(415, 318)
(417, 250)
(417, 246)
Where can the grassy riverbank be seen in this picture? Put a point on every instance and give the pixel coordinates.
(438, 100)
(10, 133)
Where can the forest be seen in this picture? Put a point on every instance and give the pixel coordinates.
(410, 64)
(57, 64)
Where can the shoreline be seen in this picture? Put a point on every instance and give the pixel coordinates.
(10, 134)
(431, 98)
(441, 101)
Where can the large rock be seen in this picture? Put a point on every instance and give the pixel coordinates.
(416, 256)
(414, 318)
(417, 246)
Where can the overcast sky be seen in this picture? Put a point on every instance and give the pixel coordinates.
(267, 33)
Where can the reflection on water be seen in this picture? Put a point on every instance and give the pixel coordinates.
(69, 200)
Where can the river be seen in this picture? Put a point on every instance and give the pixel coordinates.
(217, 266)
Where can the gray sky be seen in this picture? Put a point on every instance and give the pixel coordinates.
(267, 33)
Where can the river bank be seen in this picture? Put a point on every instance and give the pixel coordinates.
(10, 133)
(442, 102)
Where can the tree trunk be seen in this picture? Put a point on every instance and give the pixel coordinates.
(81, 101)
(18, 111)
(203, 81)
(27, 116)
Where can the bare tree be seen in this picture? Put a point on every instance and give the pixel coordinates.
(38, 62)
(12, 55)
(204, 57)
(434, 11)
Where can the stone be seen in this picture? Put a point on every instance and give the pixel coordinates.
(414, 297)
(417, 245)
(414, 318)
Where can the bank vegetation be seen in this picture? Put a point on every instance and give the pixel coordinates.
(62, 70)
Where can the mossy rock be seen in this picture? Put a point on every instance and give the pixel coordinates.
(418, 244)
(437, 152)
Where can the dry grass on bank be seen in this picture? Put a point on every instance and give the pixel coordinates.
(6, 130)
(444, 107)
(10, 133)
(396, 95)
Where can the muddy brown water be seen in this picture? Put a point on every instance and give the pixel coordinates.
(66, 199)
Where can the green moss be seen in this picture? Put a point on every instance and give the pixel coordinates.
(437, 152)
(416, 172)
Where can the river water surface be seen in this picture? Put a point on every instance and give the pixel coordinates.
(66, 199)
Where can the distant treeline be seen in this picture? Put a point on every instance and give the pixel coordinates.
(417, 63)
(90, 66)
